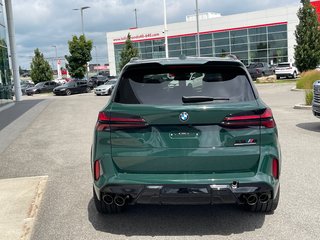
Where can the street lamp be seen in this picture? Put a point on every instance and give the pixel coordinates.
(95, 47)
(55, 51)
(81, 10)
(165, 28)
(57, 62)
(198, 35)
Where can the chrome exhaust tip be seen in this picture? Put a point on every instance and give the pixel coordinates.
(108, 199)
(252, 199)
(119, 201)
(264, 198)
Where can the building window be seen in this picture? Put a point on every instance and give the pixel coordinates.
(258, 44)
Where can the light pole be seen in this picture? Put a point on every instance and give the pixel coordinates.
(56, 51)
(198, 36)
(81, 10)
(56, 60)
(12, 44)
(95, 48)
(165, 28)
(136, 17)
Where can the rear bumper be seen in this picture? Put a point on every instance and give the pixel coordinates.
(316, 110)
(284, 74)
(187, 194)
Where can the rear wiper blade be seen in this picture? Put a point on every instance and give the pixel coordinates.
(194, 99)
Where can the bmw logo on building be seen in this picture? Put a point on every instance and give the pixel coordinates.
(184, 116)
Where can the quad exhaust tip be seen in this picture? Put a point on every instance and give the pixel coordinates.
(119, 200)
(264, 198)
(252, 199)
(108, 199)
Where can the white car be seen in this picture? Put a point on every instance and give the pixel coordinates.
(286, 69)
(60, 80)
(106, 88)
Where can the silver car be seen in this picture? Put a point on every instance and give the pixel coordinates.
(106, 88)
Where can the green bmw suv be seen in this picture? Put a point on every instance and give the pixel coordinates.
(185, 131)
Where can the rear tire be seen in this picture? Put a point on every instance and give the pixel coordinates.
(68, 92)
(88, 89)
(104, 208)
(267, 207)
(278, 77)
(294, 75)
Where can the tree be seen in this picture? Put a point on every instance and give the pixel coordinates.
(40, 68)
(128, 52)
(307, 50)
(80, 55)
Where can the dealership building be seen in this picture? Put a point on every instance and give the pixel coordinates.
(264, 36)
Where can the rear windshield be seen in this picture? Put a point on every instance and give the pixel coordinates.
(284, 65)
(167, 85)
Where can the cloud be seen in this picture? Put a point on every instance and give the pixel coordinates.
(43, 23)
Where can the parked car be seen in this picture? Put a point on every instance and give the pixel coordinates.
(80, 86)
(214, 144)
(97, 80)
(106, 88)
(24, 85)
(42, 87)
(259, 69)
(316, 99)
(286, 69)
(60, 80)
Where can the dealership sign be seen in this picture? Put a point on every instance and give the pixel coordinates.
(100, 67)
(137, 37)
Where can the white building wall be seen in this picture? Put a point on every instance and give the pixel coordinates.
(269, 16)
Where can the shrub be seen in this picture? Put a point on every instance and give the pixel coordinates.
(307, 79)
(308, 97)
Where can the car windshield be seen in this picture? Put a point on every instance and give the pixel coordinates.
(252, 65)
(39, 84)
(110, 82)
(171, 84)
(69, 84)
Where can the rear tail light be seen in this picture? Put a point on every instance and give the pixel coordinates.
(96, 170)
(246, 120)
(108, 122)
(275, 168)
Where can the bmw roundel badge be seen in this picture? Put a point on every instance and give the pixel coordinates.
(184, 116)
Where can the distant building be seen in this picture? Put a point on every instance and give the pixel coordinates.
(266, 36)
(5, 72)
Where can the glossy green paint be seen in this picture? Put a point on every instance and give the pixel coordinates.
(198, 145)
(203, 152)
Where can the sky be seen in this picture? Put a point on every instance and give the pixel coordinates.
(44, 23)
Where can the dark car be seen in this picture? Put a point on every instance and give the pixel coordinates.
(80, 86)
(259, 69)
(207, 143)
(24, 85)
(42, 87)
(97, 80)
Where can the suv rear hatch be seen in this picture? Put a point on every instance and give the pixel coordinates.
(212, 126)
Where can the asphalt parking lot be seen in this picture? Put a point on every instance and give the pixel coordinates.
(56, 142)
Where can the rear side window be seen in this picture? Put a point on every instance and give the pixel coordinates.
(167, 85)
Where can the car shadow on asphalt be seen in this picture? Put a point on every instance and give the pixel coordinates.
(310, 126)
(150, 220)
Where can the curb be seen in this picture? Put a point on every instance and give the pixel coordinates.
(6, 106)
(295, 89)
(20, 200)
(302, 106)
